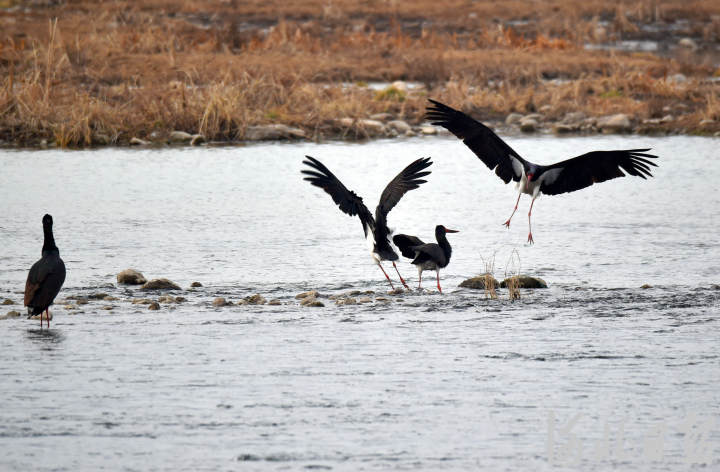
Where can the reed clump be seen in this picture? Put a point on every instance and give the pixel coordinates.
(512, 275)
(106, 72)
(488, 279)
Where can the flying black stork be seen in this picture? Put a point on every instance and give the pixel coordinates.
(426, 256)
(46, 276)
(533, 179)
(376, 231)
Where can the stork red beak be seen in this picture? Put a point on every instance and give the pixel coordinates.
(451, 230)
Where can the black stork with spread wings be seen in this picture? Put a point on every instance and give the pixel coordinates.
(46, 276)
(376, 229)
(427, 256)
(533, 179)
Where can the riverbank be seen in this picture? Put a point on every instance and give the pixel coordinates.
(77, 75)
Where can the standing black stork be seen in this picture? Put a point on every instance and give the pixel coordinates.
(46, 276)
(427, 256)
(351, 204)
(533, 179)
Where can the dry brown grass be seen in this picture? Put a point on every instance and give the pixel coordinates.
(105, 72)
(488, 277)
(512, 274)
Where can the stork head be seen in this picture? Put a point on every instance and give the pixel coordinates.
(440, 229)
(47, 220)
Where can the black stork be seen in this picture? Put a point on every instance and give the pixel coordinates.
(533, 179)
(351, 204)
(46, 276)
(427, 256)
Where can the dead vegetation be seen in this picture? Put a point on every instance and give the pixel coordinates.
(82, 73)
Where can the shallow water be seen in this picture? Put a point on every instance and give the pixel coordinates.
(411, 381)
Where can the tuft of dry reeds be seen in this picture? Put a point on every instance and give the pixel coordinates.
(488, 278)
(106, 72)
(512, 275)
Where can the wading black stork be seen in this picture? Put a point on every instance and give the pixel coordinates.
(533, 179)
(376, 230)
(426, 256)
(46, 276)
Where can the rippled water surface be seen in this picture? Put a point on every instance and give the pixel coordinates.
(593, 373)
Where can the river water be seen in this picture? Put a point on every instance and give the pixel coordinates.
(593, 373)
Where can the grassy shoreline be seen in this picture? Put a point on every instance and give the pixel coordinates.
(77, 74)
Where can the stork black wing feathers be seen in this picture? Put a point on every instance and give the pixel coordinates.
(348, 201)
(597, 166)
(406, 244)
(492, 150)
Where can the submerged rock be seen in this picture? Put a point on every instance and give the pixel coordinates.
(161, 284)
(256, 299)
(196, 284)
(346, 301)
(274, 301)
(645, 286)
(220, 301)
(525, 281)
(41, 315)
(7, 301)
(478, 283)
(131, 277)
(313, 303)
(309, 293)
(307, 301)
(141, 301)
(10, 314)
(154, 306)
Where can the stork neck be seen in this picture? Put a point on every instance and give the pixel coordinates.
(49, 243)
(444, 244)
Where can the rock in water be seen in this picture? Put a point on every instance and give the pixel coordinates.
(310, 293)
(525, 281)
(619, 123)
(478, 283)
(256, 299)
(220, 301)
(131, 277)
(161, 284)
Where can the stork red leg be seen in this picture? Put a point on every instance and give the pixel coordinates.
(386, 276)
(507, 223)
(401, 279)
(438, 281)
(530, 238)
(47, 314)
(419, 280)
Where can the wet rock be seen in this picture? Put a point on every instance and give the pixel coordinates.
(565, 128)
(97, 296)
(81, 301)
(70, 307)
(10, 314)
(619, 123)
(382, 117)
(273, 132)
(154, 306)
(410, 133)
(372, 126)
(314, 303)
(574, 117)
(180, 299)
(180, 137)
(161, 284)
(7, 301)
(525, 281)
(478, 283)
(197, 139)
(383, 300)
(256, 299)
(688, 43)
(346, 122)
(364, 300)
(307, 301)
(428, 130)
(41, 315)
(513, 118)
(346, 301)
(397, 291)
(107, 307)
(220, 301)
(135, 141)
(142, 301)
(528, 125)
(310, 293)
(400, 126)
(166, 299)
(274, 302)
(534, 116)
(110, 298)
(196, 284)
(645, 286)
(131, 277)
